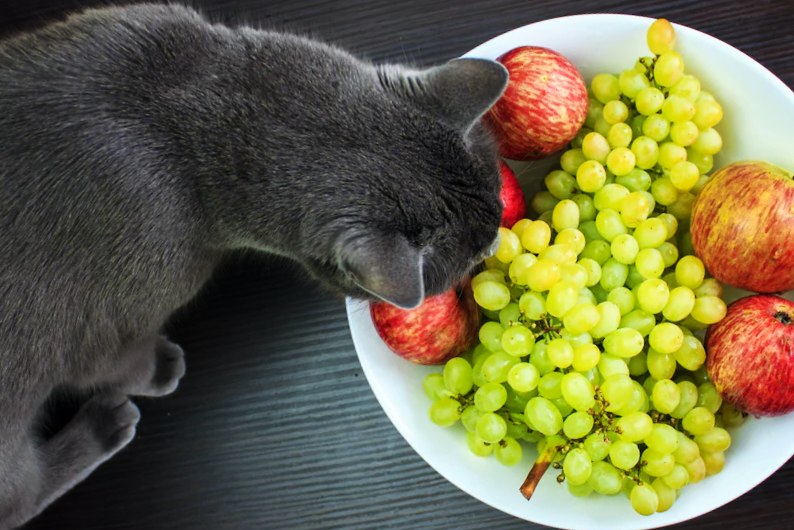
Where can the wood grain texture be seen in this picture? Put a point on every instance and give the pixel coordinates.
(274, 425)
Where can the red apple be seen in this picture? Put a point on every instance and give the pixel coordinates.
(515, 205)
(750, 355)
(442, 327)
(743, 226)
(542, 108)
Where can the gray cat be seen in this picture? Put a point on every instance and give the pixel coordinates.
(140, 145)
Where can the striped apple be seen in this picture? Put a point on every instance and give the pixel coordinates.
(512, 197)
(542, 108)
(743, 226)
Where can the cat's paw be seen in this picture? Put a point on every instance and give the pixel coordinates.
(169, 367)
(111, 418)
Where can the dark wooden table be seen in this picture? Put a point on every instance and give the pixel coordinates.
(274, 425)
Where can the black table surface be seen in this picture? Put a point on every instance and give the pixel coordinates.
(274, 424)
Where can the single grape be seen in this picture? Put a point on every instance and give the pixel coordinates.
(434, 387)
(666, 337)
(660, 365)
(585, 357)
(590, 176)
(635, 426)
(445, 411)
(665, 396)
(619, 135)
(715, 440)
(577, 425)
(656, 126)
(669, 68)
(709, 309)
(708, 113)
(663, 438)
(605, 87)
(508, 451)
(533, 305)
(492, 295)
(644, 499)
(631, 82)
(677, 478)
(542, 275)
(560, 183)
(620, 161)
(613, 274)
(697, 421)
(536, 236)
(495, 367)
(709, 397)
(609, 224)
(652, 295)
(617, 390)
(688, 400)
(713, 462)
(457, 375)
(703, 161)
(625, 248)
(649, 101)
(609, 365)
(577, 391)
(549, 385)
(649, 263)
(577, 466)
(670, 154)
(660, 36)
(651, 233)
(490, 397)
(609, 320)
(677, 108)
(572, 158)
(523, 377)
(517, 340)
(624, 454)
(595, 147)
(708, 142)
(640, 320)
(605, 478)
(565, 215)
(544, 416)
(477, 445)
(684, 133)
(615, 111)
(665, 494)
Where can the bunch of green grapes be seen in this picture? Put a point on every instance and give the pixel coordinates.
(589, 345)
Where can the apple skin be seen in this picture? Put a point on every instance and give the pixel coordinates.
(743, 226)
(511, 196)
(542, 108)
(440, 328)
(750, 355)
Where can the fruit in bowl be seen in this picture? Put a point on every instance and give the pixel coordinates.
(753, 453)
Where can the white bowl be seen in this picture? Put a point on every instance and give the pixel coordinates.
(759, 109)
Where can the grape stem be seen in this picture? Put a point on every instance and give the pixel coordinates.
(538, 469)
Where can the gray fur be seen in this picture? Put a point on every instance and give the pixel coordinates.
(140, 145)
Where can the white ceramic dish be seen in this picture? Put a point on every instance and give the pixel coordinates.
(759, 109)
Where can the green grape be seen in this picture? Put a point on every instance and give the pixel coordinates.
(493, 275)
(519, 226)
(609, 224)
(670, 223)
(595, 147)
(563, 406)
(677, 478)
(602, 126)
(708, 113)
(615, 111)
(543, 201)
(636, 180)
(577, 466)
(519, 268)
(731, 416)
(665, 396)
(656, 126)
(713, 462)
(532, 304)
(687, 87)
(605, 87)
(623, 298)
(708, 142)
(635, 208)
(715, 440)
(509, 245)
(609, 196)
(709, 309)
(649, 263)
(619, 135)
(565, 215)
(590, 176)
(609, 365)
(636, 125)
(542, 275)
(660, 36)
(624, 342)
(644, 499)
(703, 161)
(523, 377)
(666, 337)
(605, 479)
(689, 271)
(664, 192)
(597, 445)
(613, 274)
(649, 101)
(592, 270)
(561, 298)
(684, 133)
(663, 439)
(571, 237)
(624, 454)
(490, 335)
(670, 154)
(496, 366)
(434, 387)
(469, 418)
(492, 295)
(560, 183)
(640, 320)
(587, 211)
(651, 233)
(572, 159)
(508, 451)
(709, 397)
(660, 365)
(445, 411)
(624, 248)
(581, 318)
(577, 391)
(491, 427)
(657, 464)
(684, 175)
(699, 420)
(539, 358)
(516, 402)
(665, 494)
(518, 340)
(631, 82)
(560, 352)
(646, 152)
(582, 490)
(634, 278)
(669, 68)
(635, 426)
(477, 445)
(457, 375)
(617, 390)
(544, 416)
(598, 250)
(696, 469)
(652, 295)
(638, 365)
(549, 385)
(669, 254)
(689, 398)
(594, 111)
(620, 161)
(609, 320)
(585, 357)
(490, 397)
(677, 108)
(577, 425)
(536, 236)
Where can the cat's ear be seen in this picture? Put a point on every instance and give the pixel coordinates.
(460, 91)
(387, 266)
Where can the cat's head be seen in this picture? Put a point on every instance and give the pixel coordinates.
(424, 207)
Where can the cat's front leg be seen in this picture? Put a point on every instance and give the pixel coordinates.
(151, 367)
